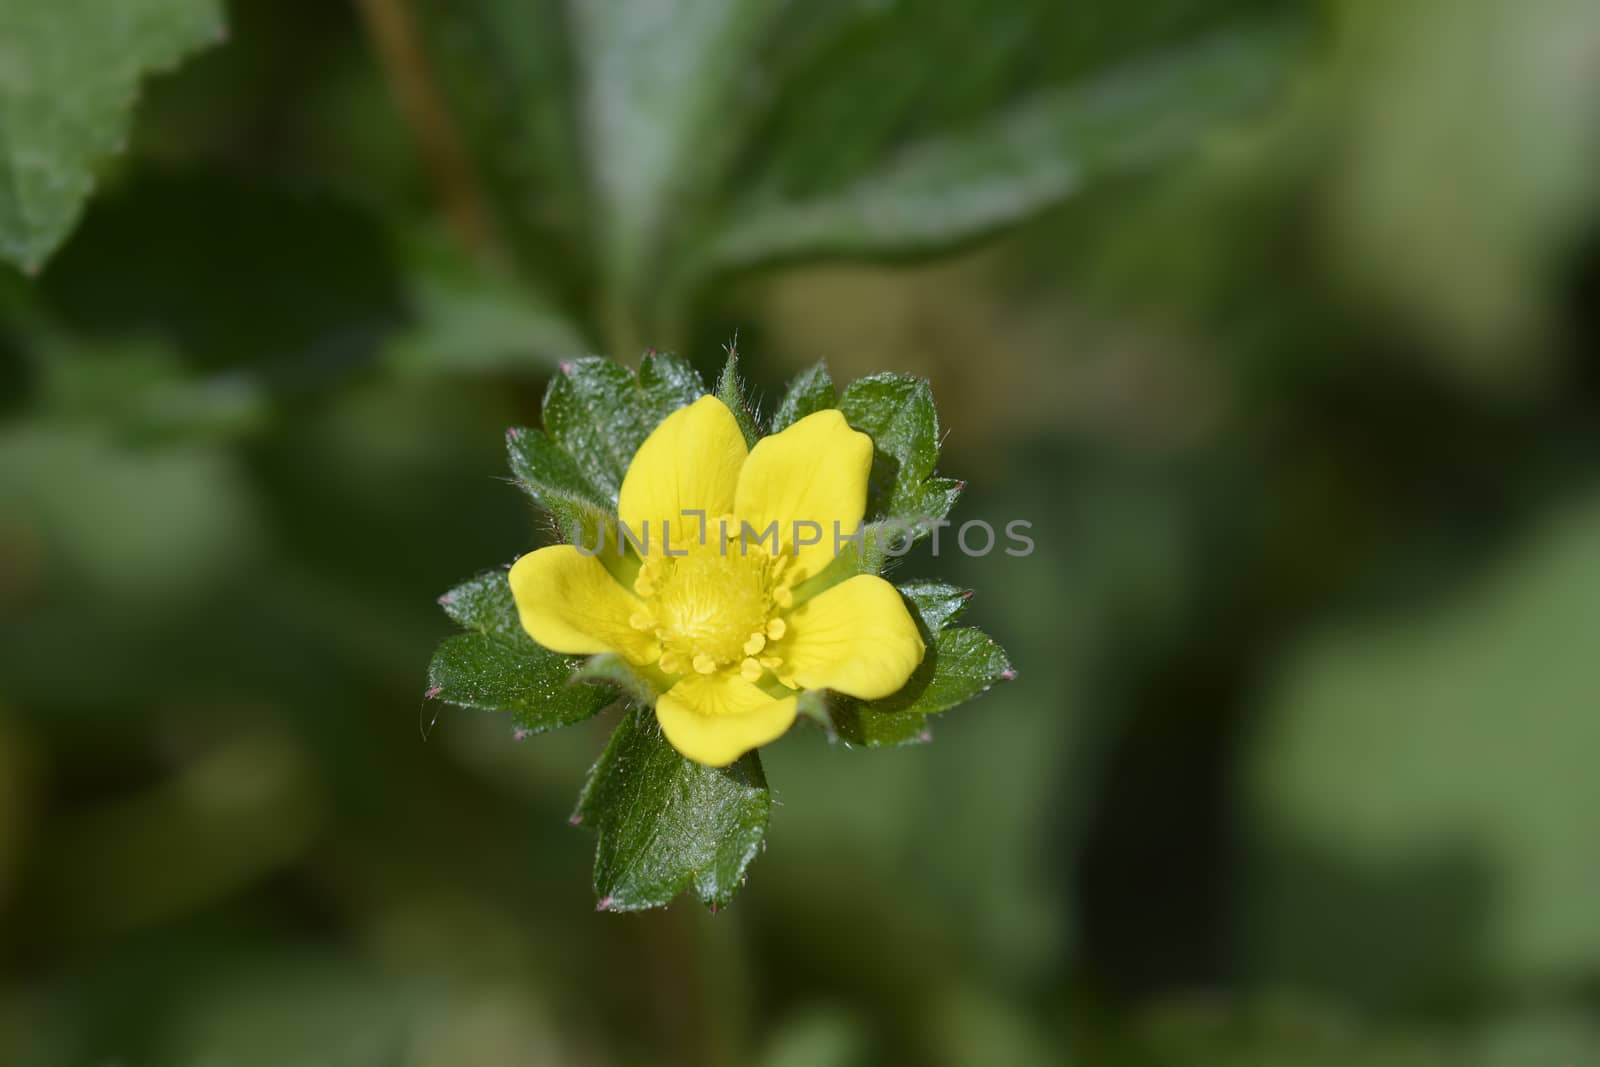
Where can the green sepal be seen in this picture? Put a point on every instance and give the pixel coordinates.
(640, 684)
(730, 390)
(667, 824)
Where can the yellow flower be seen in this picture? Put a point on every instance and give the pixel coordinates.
(713, 608)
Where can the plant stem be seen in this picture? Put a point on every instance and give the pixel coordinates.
(394, 35)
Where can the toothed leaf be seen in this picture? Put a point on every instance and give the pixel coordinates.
(668, 824)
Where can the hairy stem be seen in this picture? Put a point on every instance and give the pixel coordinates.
(394, 35)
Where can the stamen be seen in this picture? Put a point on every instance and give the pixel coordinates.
(772, 663)
(757, 642)
(750, 670)
(671, 662)
(776, 628)
(704, 664)
(783, 597)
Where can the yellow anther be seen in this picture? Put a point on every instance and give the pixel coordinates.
(776, 628)
(671, 662)
(644, 586)
(704, 664)
(772, 662)
(783, 597)
(750, 670)
(757, 642)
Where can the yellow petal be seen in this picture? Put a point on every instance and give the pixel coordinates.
(690, 462)
(856, 637)
(813, 472)
(569, 603)
(715, 719)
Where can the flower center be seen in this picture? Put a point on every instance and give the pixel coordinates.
(718, 607)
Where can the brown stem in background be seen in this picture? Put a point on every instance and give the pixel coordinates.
(405, 66)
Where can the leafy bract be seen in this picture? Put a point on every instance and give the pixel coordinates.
(497, 667)
(666, 823)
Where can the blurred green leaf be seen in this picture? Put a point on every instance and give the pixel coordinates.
(467, 319)
(292, 286)
(1410, 790)
(1294, 1032)
(104, 533)
(1213, 1032)
(657, 79)
(959, 186)
(499, 668)
(250, 807)
(1471, 269)
(666, 823)
(811, 391)
(819, 1037)
(72, 72)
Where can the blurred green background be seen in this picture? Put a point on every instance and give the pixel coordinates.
(1277, 319)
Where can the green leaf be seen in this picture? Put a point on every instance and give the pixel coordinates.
(1416, 780)
(957, 187)
(1292, 1031)
(810, 392)
(599, 413)
(593, 411)
(550, 475)
(484, 603)
(469, 320)
(658, 80)
(233, 288)
(668, 383)
(499, 668)
(857, 724)
(730, 390)
(961, 663)
(936, 603)
(897, 412)
(666, 823)
(596, 413)
(72, 73)
(517, 676)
